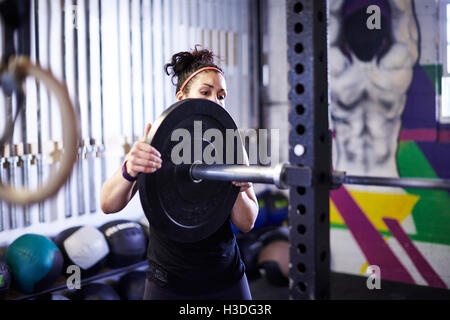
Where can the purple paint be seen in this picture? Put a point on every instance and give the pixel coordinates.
(422, 265)
(370, 241)
(420, 108)
(438, 156)
(425, 135)
(418, 135)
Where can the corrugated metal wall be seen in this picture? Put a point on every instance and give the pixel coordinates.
(111, 54)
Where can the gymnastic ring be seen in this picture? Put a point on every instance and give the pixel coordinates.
(21, 68)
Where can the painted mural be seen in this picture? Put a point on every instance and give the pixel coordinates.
(385, 91)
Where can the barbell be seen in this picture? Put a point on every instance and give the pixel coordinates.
(189, 201)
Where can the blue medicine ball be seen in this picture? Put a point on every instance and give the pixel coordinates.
(35, 262)
(276, 205)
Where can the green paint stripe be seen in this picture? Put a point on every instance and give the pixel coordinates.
(412, 162)
(338, 226)
(431, 214)
(344, 227)
(434, 73)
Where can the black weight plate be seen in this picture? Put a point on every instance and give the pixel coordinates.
(177, 207)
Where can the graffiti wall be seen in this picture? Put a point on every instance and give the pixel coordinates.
(385, 88)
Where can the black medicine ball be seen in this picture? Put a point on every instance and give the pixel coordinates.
(274, 234)
(273, 258)
(85, 247)
(127, 242)
(5, 279)
(96, 291)
(131, 286)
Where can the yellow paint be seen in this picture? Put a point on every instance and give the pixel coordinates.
(364, 269)
(335, 217)
(377, 206)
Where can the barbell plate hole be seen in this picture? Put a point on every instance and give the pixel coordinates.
(190, 172)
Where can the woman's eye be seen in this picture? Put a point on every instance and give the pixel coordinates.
(221, 97)
(205, 93)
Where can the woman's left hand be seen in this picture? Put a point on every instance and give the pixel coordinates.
(242, 185)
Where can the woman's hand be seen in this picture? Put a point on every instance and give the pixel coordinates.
(143, 157)
(244, 186)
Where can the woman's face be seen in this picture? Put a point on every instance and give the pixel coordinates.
(207, 85)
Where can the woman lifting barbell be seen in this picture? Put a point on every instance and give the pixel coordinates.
(208, 269)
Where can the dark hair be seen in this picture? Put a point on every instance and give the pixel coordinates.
(185, 63)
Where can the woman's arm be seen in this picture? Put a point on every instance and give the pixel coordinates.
(117, 191)
(245, 209)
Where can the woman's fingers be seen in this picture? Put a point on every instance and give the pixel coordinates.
(145, 163)
(242, 185)
(143, 169)
(148, 127)
(144, 147)
(145, 156)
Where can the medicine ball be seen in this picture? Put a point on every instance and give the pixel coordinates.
(131, 286)
(261, 219)
(96, 291)
(249, 248)
(127, 242)
(85, 247)
(35, 262)
(273, 258)
(271, 234)
(277, 205)
(5, 279)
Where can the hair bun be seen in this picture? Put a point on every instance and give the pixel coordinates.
(185, 63)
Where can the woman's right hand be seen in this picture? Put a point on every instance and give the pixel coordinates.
(143, 157)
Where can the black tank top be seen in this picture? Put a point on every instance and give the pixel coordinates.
(206, 266)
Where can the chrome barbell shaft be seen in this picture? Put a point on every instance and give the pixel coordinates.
(417, 183)
(285, 175)
(237, 173)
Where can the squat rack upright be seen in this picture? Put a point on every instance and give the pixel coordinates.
(308, 118)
